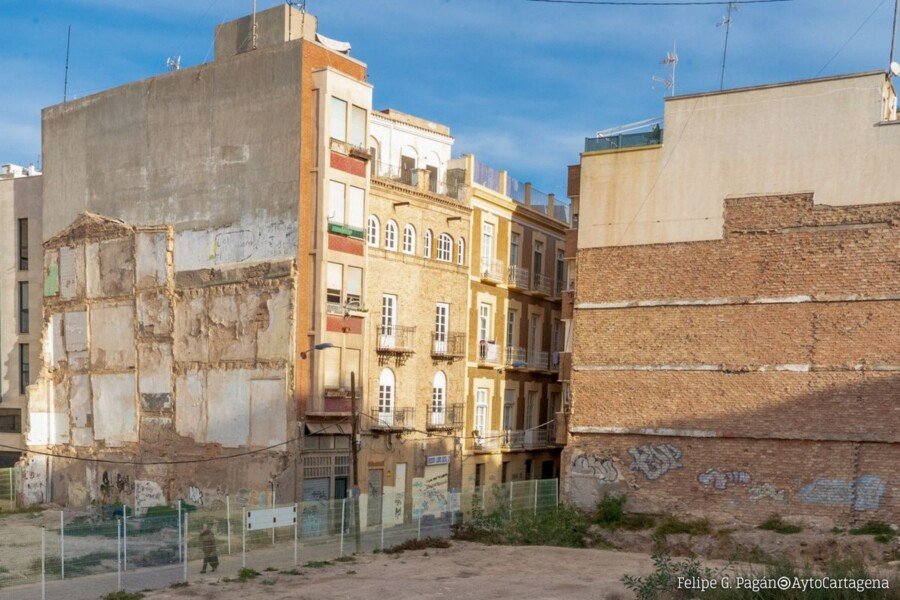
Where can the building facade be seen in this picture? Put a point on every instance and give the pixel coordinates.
(21, 258)
(735, 350)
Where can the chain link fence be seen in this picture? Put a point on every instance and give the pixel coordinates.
(86, 554)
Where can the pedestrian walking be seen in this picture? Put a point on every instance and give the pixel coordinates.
(208, 545)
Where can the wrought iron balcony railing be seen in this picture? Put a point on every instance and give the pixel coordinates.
(448, 345)
(394, 339)
(451, 416)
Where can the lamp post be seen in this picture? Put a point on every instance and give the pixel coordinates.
(301, 425)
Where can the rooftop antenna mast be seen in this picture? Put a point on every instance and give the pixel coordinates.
(255, 33)
(66, 77)
(894, 35)
(671, 61)
(726, 23)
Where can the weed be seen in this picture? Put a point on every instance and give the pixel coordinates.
(270, 569)
(674, 525)
(566, 526)
(247, 574)
(663, 582)
(611, 514)
(180, 584)
(291, 572)
(774, 523)
(351, 572)
(123, 595)
(267, 582)
(837, 530)
(317, 564)
(874, 528)
(429, 542)
(345, 559)
(883, 538)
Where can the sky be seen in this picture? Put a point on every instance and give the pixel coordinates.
(520, 83)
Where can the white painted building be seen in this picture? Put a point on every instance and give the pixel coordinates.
(401, 143)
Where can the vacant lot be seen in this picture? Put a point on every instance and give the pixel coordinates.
(465, 570)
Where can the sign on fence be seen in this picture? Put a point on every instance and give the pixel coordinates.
(267, 518)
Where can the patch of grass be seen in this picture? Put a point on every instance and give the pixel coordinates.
(345, 559)
(123, 595)
(317, 564)
(270, 569)
(837, 530)
(674, 525)
(3, 570)
(180, 584)
(31, 510)
(565, 526)
(874, 528)
(291, 572)
(883, 538)
(774, 523)
(75, 566)
(247, 574)
(429, 542)
(610, 514)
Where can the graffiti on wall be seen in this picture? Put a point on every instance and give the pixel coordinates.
(148, 493)
(592, 465)
(863, 493)
(195, 495)
(722, 479)
(112, 486)
(767, 491)
(654, 461)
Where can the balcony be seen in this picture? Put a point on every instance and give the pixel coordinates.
(513, 439)
(348, 308)
(491, 271)
(518, 278)
(488, 353)
(487, 441)
(624, 140)
(394, 339)
(541, 285)
(515, 358)
(536, 438)
(539, 360)
(448, 346)
(397, 419)
(452, 417)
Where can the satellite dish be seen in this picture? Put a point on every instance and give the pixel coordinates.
(895, 69)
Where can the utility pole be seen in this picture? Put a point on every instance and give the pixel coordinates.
(66, 79)
(354, 457)
(255, 34)
(893, 34)
(726, 22)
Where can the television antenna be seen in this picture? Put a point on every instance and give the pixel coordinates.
(671, 61)
(173, 63)
(726, 23)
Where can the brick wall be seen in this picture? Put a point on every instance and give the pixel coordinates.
(773, 354)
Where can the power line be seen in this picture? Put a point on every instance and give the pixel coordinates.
(850, 39)
(659, 2)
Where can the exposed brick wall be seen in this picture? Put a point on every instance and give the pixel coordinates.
(787, 352)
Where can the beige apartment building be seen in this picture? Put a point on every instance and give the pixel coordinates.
(736, 348)
(21, 259)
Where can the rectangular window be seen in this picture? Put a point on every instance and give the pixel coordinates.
(560, 271)
(23, 244)
(531, 410)
(487, 244)
(23, 307)
(10, 420)
(336, 192)
(538, 266)
(356, 207)
(514, 250)
(335, 284)
(350, 364)
(481, 411)
(358, 126)
(509, 409)
(338, 125)
(441, 316)
(354, 287)
(388, 314)
(484, 322)
(331, 364)
(510, 328)
(534, 335)
(24, 368)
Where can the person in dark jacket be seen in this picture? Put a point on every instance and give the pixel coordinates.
(208, 544)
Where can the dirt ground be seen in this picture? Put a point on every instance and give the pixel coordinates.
(465, 570)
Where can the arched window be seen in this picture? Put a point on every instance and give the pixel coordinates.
(386, 397)
(445, 247)
(461, 251)
(409, 239)
(428, 243)
(372, 231)
(390, 235)
(439, 399)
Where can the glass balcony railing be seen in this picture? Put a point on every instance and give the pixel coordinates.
(624, 140)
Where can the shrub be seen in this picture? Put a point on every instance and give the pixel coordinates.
(247, 574)
(663, 582)
(874, 528)
(610, 511)
(774, 523)
(429, 542)
(673, 525)
(123, 595)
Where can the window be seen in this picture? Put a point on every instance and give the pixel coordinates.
(560, 270)
(24, 368)
(534, 335)
(390, 235)
(334, 284)
(481, 411)
(388, 315)
(407, 166)
(10, 420)
(353, 294)
(432, 178)
(509, 409)
(487, 246)
(439, 398)
(373, 231)
(331, 367)
(356, 207)
(338, 124)
(531, 410)
(441, 316)
(428, 243)
(409, 239)
(23, 244)
(461, 251)
(445, 247)
(386, 397)
(358, 126)
(23, 307)
(336, 193)
(514, 250)
(510, 328)
(484, 321)
(538, 266)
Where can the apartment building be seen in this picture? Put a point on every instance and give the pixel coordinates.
(515, 333)
(736, 346)
(21, 258)
(190, 219)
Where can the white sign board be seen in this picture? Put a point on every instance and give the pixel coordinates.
(268, 518)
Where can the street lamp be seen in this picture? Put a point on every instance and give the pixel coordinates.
(322, 346)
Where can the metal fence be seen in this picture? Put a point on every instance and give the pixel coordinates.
(89, 553)
(8, 479)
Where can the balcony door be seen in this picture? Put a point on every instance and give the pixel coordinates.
(481, 413)
(386, 397)
(509, 409)
(487, 247)
(388, 332)
(441, 316)
(439, 399)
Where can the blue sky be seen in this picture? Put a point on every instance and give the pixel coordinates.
(519, 83)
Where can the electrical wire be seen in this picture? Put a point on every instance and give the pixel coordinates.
(659, 2)
(850, 39)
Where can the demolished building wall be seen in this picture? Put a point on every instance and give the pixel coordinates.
(147, 366)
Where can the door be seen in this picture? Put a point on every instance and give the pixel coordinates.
(509, 409)
(388, 337)
(441, 314)
(376, 495)
(487, 247)
(547, 469)
(481, 411)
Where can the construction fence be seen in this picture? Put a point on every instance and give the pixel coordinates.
(8, 478)
(86, 554)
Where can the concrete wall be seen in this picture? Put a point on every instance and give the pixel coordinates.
(20, 198)
(779, 139)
